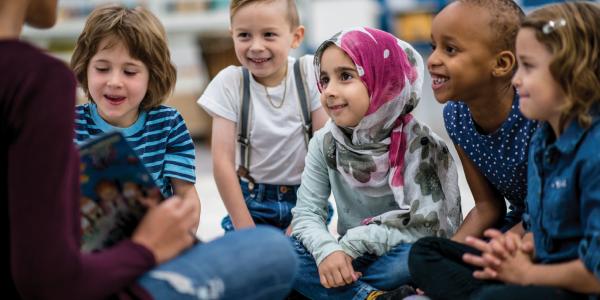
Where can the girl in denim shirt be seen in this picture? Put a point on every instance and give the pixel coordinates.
(559, 83)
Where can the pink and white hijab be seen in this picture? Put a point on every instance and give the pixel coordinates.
(389, 149)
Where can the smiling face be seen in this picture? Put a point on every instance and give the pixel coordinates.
(262, 38)
(117, 83)
(540, 95)
(462, 60)
(343, 94)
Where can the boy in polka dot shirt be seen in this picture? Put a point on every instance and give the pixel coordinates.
(471, 67)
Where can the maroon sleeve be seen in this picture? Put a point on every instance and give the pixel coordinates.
(43, 197)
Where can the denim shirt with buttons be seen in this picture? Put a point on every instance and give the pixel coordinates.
(563, 198)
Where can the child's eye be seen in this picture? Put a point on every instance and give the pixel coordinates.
(525, 66)
(101, 70)
(130, 73)
(243, 35)
(432, 45)
(323, 81)
(345, 76)
(450, 50)
(270, 35)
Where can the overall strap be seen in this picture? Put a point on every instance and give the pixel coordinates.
(304, 103)
(243, 128)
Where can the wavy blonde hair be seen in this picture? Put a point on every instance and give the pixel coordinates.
(142, 34)
(576, 59)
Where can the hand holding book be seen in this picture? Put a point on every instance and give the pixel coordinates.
(118, 193)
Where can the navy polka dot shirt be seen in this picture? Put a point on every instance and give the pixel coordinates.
(502, 155)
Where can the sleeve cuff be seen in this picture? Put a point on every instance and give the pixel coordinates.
(327, 250)
(350, 249)
(589, 252)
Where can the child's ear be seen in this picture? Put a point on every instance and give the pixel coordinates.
(505, 63)
(297, 36)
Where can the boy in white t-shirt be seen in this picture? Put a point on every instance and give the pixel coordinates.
(259, 186)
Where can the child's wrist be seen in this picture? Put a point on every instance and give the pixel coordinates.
(528, 276)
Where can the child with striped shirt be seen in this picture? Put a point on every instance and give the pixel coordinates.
(122, 63)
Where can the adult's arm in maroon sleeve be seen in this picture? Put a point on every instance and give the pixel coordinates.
(43, 195)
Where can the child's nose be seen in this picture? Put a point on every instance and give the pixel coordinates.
(114, 80)
(516, 80)
(256, 45)
(330, 91)
(433, 59)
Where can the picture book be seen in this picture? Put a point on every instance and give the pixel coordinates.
(116, 190)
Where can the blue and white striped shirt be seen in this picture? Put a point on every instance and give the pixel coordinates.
(159, 137)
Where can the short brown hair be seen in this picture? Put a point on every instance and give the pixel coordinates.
(506, 18)
(292, 10)
(143, 35)
(576, 61)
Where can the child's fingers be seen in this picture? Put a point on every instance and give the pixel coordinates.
(498, 248)
(324, 281)
(492, 233)
(474, 260)
(491, 260)
(511, 245)
(347, 275)
(477, 244)
(527, 247)
(485, 274)
(338, 278)
(513, 242)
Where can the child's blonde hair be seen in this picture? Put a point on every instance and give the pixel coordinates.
(143, 35)
(292, 11)
(571, 32)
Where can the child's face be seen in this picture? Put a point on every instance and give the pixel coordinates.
(262, 39)
(344, 95)
(540, 95)
(461, 63)
(117, 83)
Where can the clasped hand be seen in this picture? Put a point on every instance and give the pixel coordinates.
(506, 256)
(336, 270)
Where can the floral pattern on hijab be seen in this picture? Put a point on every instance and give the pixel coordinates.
(389, 149)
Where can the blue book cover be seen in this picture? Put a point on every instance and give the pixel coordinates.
(116, 190)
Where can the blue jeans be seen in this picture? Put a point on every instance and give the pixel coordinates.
(384, 273)
(269, 204)
(254, 263)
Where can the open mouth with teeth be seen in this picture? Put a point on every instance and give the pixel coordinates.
(259, 60)
(114, 100)
(336, 108)
(438, 81)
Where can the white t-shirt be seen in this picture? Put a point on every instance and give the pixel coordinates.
(277, 147)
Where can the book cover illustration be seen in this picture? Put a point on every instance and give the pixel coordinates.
(116, 190)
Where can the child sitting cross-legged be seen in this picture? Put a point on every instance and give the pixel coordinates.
(394, 181)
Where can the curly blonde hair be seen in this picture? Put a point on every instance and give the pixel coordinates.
(142, 34)
(574, 44)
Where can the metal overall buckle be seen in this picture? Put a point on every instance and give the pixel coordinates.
(242, 172)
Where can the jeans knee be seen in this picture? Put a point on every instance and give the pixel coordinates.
(280, 247)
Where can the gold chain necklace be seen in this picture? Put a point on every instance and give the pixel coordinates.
(284, 92)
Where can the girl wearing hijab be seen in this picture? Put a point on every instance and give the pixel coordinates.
(393, 179)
